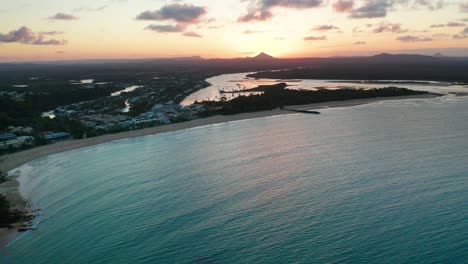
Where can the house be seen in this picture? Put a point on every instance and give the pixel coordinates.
(18, 142)
(5, 137)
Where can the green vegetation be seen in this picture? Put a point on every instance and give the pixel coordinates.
(5, 216)
(275, 96)
(4, 212)
(23, 106)
(372, 69)
(43, 98)
(3, 177)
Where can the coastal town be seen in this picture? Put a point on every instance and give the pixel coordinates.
(233, 131)
(128, 105)
(55, 113)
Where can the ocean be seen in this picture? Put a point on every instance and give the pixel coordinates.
(380, 183)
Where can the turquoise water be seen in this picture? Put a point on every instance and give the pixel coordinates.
(380, 183)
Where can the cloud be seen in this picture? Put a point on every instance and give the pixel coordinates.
(462, 35)
(22, 35)
(414, 39)
(63, 16)
(90, 9)
(360, 43)
(210, 20)
(51, 33)
(314, 38)
(341, 6)
(166, 28)
(192, 34)
(450, 24)
(380, 8)
(41, 41)
(464, 7)
(429, 4)
(181, 13)
(324, 27)
(440, 35)
(455, 24)
(389, 27)
(248, 31)
(215, 27)
(357, 30)
(372, 9)
(261, 10)
(25, 35)
(458, 37)
(255, 16)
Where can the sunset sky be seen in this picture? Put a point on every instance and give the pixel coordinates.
(97, 29)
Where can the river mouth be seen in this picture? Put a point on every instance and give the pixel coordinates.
(240, 81)
(51, 114)
(126, 90)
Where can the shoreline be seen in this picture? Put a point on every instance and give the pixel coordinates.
(12, 161)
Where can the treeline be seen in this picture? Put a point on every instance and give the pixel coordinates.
(44, 99)
(28, 113)
(260, 88)
(41, 99)
(23, 114)
(5, 217)
(277, 96)
(433, 71)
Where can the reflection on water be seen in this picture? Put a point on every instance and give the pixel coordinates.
(239, 81)
(378, 183)
(51, 114)
(127, 108)
(126, 90)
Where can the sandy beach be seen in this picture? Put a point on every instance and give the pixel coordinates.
(11, 161)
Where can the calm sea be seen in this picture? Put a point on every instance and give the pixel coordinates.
(379, 183)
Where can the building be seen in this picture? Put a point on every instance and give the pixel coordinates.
(5, 137)
(17, 142)
(58, 136)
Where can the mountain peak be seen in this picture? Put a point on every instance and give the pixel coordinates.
(383, 55)
(264, 56)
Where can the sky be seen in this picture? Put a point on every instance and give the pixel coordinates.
(46, 30)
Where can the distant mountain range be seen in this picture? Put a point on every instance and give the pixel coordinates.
(378, 67)
(264, 58)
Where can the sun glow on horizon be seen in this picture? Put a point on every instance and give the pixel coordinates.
(56, 30)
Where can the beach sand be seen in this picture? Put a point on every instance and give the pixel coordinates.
(15, 160)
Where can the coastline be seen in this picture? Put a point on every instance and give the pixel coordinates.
(12, 161)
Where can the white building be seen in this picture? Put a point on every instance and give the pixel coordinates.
(17, 143)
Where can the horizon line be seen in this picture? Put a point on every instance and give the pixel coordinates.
(198, 57)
